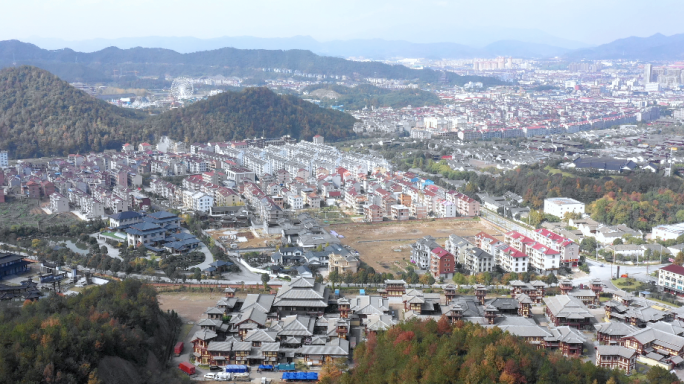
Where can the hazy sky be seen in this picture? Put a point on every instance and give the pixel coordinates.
(588, 21)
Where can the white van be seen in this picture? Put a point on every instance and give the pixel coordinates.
(223, 376)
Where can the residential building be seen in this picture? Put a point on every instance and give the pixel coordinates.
(476, 260)
(372, 213)
(667, 231)
(421, 251)
(59, 203)
(400, 212)
(671, 278)
(442, 264)
(343, 264)
(559, 206)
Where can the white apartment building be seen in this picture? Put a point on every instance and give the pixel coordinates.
(197, 201)
(511, 260)
(559, 206)
(4, 159)
(295, 201)
(668, 231)
(58, 203)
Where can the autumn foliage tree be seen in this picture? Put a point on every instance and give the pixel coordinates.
(65, 339)
(429, 352)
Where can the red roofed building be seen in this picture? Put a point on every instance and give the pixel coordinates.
(671, 278)
(442, 263)
(144, 147)
(541, 257)
(372, 213)
(466, 205)
(33, 190)
(569, 250)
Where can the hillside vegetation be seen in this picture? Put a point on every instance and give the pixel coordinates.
(640, 200)
(366, 95)
(100, 66)
(41, 115)
(109, 334)
(251, 113)
(435, 352)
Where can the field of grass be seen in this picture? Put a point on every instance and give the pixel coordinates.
(626, 283)
(555, 170)
(28, 212)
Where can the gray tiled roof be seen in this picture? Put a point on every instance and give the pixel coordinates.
(220, 346)
(648, 335)
(615, 350)
(260, 335)
(336, 347)
(204, 334)
(614, 328)
(567, 306)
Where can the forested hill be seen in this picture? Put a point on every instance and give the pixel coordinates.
(366, 95)
(41, 115)
(254, 112)
(110, 334)
(100, 66)
(432, 352)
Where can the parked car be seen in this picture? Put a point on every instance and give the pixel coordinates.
(210, 376)
(215, 368)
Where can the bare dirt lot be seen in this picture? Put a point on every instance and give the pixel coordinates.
(261, 240)
(190, 306)
(386, 246)
(28, 212)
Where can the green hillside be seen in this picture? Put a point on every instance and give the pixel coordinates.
(251, 113)
(366, 95)
(108, 334)
(41, 115)
(103, 65)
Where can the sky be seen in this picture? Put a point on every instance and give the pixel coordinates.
(472, 22)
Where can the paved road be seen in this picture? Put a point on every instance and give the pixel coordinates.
(604, 273)
(208, 257)
(111, 251)
(503, 222)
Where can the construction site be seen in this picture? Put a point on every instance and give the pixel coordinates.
(386, 246)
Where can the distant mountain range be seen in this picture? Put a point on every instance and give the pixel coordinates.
(41, 115)
(102, 65)
(378, 49)
(521, 43)
(656, 47)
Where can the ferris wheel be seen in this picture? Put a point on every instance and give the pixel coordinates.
(182, 88)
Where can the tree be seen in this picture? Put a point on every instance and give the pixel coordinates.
(589, 245)
(487, 278)
(197, 274)
(264, 279)
(427, 279)
(659, 375)
(459, 278)
(679, 259)
(617, 241)
(551, 279)
(334, 277)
